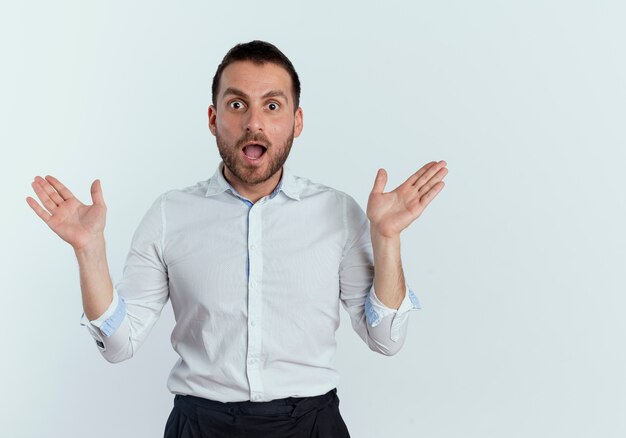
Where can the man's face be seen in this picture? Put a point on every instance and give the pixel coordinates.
(254, 121)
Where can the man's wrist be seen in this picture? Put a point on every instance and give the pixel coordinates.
(384, 246)
(93, 246)
(379, 233)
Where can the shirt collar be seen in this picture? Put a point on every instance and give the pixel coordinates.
(288, 184)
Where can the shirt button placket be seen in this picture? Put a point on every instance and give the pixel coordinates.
(255, 306)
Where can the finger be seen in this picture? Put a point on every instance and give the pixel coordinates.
(63, 191)
(427, 197)
(432, 170)
(96, 193)
(440, 175)
(380, 181)
(413, 178)
(43, 197)
(56, 198)
(43, 214)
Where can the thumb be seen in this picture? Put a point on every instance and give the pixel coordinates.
(380, 181)
(96, 193)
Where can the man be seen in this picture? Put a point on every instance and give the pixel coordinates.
(255, 261)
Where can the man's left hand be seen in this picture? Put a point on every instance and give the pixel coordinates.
(390, 213)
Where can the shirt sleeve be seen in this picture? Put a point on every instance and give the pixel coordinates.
(375, 311)
(140, 295)
(383, 329)
(111, 319)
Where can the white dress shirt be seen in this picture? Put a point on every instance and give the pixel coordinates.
(255, 289)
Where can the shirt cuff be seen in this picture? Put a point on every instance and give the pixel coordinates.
(111, 319)
(375, 310)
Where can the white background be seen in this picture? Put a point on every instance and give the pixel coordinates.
(519, 263)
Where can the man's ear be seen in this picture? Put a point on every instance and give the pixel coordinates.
(212, 116)
(298, 123)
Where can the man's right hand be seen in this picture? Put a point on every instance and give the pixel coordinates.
(76, 223)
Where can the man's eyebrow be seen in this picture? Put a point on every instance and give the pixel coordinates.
(234, 91)
(275, 93)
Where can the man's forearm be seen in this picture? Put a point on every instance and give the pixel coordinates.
(389, 280)
(95, 279)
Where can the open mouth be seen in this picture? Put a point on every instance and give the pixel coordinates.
(254, 151)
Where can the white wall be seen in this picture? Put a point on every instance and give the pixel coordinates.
(519, 263)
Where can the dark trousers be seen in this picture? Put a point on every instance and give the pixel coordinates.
(293, 417)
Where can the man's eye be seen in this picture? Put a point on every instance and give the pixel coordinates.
(273, 106)
(235, 104)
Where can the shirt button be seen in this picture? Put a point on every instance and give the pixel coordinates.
(253, 323)
(256, 397)
(252, 247)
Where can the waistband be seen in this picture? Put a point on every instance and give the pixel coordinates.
(290, 406)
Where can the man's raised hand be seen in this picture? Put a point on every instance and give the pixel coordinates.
(76, 223)
(390, 213)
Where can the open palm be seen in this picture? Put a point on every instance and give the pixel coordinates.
(391, 212)
(76, 223)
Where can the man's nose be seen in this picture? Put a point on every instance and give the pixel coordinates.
(254, 121)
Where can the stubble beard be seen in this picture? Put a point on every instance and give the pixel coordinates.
(232, 160)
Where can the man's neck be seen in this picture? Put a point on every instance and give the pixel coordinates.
(253, 192)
